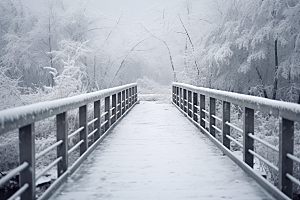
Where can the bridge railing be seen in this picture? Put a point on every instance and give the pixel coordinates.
(117, 102)
(191, 101)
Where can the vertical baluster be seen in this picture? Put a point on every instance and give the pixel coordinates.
(195, 109)
(119, 110)
(27, 154)
(212, 111)
(84, 132)
(173, 94)
(123, 102)
(181, 96)
(184, 101)
(126, 108)
(132, 96)
(136, 94)
(108, 114)
(62, 150)
(226, 128)
(177, 96)
(202, 107)
(286, 145)
(114, 108)
(189, 103)
(97, 124)
(248, 141)
(130, 100)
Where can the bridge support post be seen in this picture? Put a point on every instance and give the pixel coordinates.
(225, 127)
(107, 116)
(189, 103)
(119, 110)
(248, 141)
(195, 109)
(114, 108)
(97, 124)
(202, 107)
(286, 145)
(27, 154)
(212, 111)
(62, 150)
(83, 133)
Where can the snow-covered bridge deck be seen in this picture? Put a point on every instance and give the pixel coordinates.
(155, 153)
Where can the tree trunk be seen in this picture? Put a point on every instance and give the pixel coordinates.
(275, 85)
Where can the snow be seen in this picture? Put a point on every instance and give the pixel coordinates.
(156, 153)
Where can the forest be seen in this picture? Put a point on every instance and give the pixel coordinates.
(66, 48)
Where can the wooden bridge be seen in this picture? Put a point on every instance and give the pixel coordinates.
(152, 151)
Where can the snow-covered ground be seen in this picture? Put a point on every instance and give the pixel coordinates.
(156, 153)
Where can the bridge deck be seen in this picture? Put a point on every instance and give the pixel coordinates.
(156, 153)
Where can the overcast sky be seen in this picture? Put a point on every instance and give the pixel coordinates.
(131, 10)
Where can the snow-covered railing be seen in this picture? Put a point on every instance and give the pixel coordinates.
(191, 101)
(117, 102)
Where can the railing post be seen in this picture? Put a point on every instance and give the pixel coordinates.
(248, 141)
(184, 101)
(107, 116)
(195, 109)
(62, 150)
(202, 107)
(27, 154)
(123, 103)
(181, 96)
(132, 96)
(189, 103)
(127, 101)
(212, 111)
(286, 145)
(84, 132)
(97, 124)
(114, 108)
(177, 96)
(136, 94)
(130, 99)
(173, 94)
(119, 110)
(225, 128)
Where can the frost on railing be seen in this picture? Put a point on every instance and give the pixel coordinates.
(230, 120)
(108, 106)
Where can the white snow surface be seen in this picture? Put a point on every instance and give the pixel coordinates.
(156, 153)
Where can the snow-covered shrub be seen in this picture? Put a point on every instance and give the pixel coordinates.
(10, 94)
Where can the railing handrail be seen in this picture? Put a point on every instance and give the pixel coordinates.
(117, 103)
(276, 108)
(17, 117)
(186, 98)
